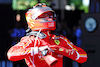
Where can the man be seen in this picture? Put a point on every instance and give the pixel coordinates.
(40, 48)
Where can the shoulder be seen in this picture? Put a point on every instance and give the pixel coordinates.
(58, 37)
(63, 38)
(25, 38)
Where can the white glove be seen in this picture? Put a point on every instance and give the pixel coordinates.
(35, 50)
(43, 48)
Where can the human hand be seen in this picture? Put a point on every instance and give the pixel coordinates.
(35, 50)
(43, 48)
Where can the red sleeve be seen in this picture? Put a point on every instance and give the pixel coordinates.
(71, 51)
(20, 50)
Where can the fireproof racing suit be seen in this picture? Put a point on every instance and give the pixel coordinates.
(60, 44)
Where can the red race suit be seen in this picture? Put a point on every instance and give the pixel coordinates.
(60, 44)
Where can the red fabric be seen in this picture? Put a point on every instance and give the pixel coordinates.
(60, 44)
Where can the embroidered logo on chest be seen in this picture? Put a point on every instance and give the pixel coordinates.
(57, 42)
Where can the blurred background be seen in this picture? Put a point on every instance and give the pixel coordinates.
(78, 20)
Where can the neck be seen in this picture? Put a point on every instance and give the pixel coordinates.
(46, 32)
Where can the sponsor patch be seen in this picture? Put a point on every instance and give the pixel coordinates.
(57, 42)
(67, 51)
(60, 49)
